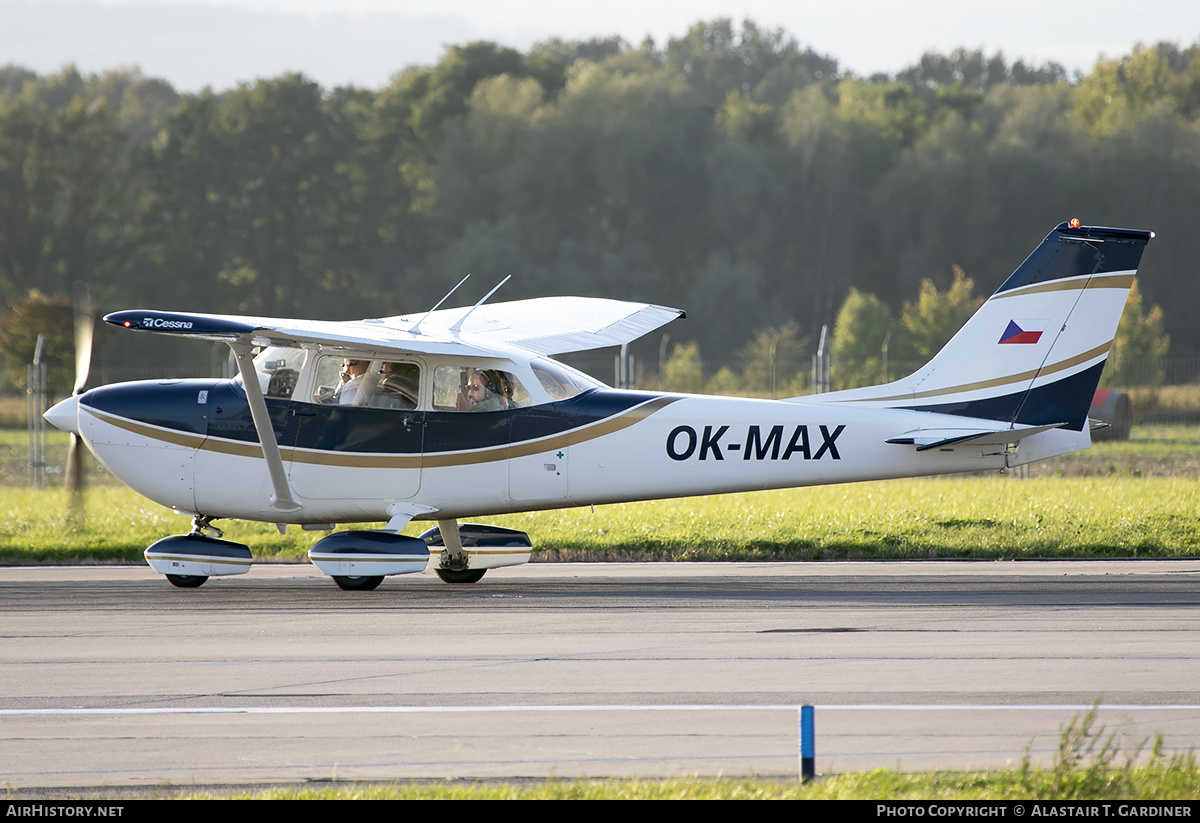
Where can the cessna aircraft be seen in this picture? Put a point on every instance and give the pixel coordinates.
(461, 413)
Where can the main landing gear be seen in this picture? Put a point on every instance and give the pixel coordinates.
(470, 549)
(359, 560)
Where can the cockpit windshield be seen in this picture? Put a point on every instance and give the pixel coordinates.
(278, 368)
(562, 382)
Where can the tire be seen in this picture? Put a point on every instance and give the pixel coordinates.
(186, 581)
(358, 584)
(460, 575)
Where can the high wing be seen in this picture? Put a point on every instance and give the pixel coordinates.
(551, 325)
(546, 325)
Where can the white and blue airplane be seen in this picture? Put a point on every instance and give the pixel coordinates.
(461, 413)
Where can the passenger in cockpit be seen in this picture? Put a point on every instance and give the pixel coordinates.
(398, 385)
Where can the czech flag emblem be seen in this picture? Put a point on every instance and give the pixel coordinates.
(1024, 330)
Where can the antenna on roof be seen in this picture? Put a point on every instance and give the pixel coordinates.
(414, 329)
(458, 325)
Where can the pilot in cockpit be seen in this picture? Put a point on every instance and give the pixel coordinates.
(357, 385)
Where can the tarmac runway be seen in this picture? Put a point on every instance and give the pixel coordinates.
(109, 676)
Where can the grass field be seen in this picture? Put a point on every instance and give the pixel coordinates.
(988, 516)
(1138, 498)
(1177, 780)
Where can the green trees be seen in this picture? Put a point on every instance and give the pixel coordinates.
(265, 203)
(775, 361)
(865, 332)
(683, 371)
(864, 324)
(1139, 346)
(72, 199)
(730, 171)
(20, 326)
(930, 322)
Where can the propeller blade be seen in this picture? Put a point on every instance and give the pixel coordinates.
(75, 467)
(85, 324)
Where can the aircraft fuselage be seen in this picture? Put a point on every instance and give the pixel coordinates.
(191, 445)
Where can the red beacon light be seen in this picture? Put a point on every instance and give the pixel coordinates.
(127, 324)
(1074, 223)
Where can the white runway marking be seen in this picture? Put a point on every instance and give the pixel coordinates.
(590, 708)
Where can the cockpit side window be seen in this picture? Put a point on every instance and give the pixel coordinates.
(477, 389)
(399, 386)
(376, 384)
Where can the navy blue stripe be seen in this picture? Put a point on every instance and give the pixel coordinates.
(349, 428)
(1066, 252)
(1063, 401)
(333, 428)
(171, 405)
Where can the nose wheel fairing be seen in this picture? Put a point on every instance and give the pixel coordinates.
(191, 556)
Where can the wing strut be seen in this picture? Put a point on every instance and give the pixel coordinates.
(282, 500)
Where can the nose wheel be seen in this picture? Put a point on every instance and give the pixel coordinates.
(357, 584)
(460, 575)
(187, 581)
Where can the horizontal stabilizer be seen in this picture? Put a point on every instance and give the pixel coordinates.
(926, 439)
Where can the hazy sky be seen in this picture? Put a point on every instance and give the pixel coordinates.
(197, 43)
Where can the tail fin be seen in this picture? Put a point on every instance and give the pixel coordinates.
(1033, 353)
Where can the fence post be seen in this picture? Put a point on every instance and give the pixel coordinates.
(807, 745)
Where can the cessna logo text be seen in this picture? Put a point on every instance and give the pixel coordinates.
(684, 442)
(160, 323)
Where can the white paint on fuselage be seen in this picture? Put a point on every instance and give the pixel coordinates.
(153, 467)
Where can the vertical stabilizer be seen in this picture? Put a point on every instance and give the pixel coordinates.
(1033, 353)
